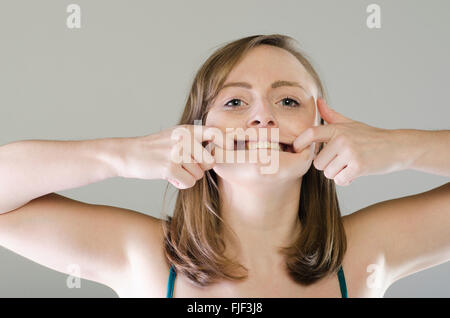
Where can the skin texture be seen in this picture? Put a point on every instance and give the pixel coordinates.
(251, 200)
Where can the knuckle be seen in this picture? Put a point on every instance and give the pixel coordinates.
(317, 165)
(351, 153)
(171, 169)
(191, 182)
(198, 173)
(200, 176)
(310, 132)
(342, 141)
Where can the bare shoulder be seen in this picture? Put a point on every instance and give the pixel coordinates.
(148, 274)
(148, 267)
(364, 262)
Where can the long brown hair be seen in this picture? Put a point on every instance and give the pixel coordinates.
(193, 237)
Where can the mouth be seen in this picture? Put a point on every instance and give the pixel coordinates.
(251, 145)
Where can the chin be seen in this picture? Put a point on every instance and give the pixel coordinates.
(277, 167)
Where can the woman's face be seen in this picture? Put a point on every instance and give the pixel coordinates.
(267, 97)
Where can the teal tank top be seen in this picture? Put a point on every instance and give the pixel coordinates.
(172, 275)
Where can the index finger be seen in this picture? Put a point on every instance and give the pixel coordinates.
(218, 137)
(321, 133)
(200, 133)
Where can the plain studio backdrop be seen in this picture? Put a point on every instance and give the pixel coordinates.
(128, 69)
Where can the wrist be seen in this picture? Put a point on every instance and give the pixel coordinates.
(409, 146)
(111, 152)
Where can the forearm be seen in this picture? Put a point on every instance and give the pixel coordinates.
(33, 168)
(424, 150)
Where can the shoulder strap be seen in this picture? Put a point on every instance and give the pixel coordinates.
(342, 283)
(172, 275)
(171, 282)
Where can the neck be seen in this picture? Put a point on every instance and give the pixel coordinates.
(264, 218)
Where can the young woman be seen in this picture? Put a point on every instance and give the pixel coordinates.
(235, 232)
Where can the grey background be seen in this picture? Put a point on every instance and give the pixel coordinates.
(128, 70)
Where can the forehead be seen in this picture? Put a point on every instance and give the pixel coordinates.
(263, 65)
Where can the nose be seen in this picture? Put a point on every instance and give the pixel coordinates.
(262, 117)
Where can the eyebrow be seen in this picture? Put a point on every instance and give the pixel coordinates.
(275, 84)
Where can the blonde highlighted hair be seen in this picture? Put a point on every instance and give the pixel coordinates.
(194, 236)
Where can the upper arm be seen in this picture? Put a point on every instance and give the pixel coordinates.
(412, 232)
(61, 233)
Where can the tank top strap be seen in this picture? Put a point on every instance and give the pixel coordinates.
(172, 275)
(170, 284)
(342, 283)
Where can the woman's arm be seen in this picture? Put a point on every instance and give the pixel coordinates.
(33, 168)
(58, 232)
(354, 149)
(411, 233)
(424, 150)
(104, 243)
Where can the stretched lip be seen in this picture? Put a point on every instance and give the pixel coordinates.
(258, 144)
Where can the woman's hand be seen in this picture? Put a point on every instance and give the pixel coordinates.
(175, 154)
(352, 149)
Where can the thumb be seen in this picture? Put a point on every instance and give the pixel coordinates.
(330, 115)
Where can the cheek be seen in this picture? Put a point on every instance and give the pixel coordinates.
(221, 120)
(295, 125)
(213, 118)
(296, 122)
